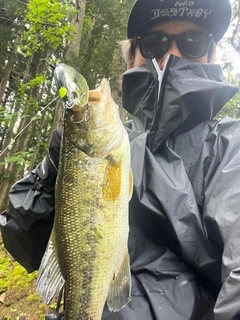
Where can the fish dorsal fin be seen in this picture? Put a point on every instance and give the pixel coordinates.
(120, 289)
(50, 280)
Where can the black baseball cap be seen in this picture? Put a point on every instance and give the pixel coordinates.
(212, 15)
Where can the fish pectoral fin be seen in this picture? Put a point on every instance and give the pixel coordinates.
(120, 290)
(50, 280)
(112, 181)
(130, 184)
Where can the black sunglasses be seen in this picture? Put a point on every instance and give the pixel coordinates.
(191, 44)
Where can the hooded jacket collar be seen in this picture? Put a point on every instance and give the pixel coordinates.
(186, 95)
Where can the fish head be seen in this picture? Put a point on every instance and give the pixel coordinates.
(95, 126)
(72, 86)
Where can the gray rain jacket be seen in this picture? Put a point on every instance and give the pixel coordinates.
(184, 240)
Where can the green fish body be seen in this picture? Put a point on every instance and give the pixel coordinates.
(88, 244)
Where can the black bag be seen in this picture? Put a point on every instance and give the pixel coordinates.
(27, 223)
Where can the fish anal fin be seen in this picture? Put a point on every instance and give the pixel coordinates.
(120, 289)
(50, 280)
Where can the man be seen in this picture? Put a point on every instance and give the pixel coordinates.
(184, 240)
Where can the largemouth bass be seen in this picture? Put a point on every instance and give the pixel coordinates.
(87, 249)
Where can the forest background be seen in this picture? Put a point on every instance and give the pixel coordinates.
(35, 34)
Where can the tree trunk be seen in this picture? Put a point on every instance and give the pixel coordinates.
(12, 173)
(11, 125)
(8, 69)
(72, 52)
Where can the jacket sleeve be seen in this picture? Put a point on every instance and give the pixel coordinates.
(27, 222)
(222, 213)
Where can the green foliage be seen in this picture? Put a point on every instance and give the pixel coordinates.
(33, 298)
(37, 81)
(22, 299)
(40, 313)
(47, 22)
(26, 98)
(234, 38)
(12, 275)
(87, 20)
(100, 55)
(4, 34)
(232, 108)
(10, 24)
(22, 159)
(6, 116)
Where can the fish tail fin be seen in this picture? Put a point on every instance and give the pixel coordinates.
(120, 290)
(50, 280)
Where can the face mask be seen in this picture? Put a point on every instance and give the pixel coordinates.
(184, 95)
(139, 94)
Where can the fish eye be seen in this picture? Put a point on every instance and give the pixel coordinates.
(74, 95)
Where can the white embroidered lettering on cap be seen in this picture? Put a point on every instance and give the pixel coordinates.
(184, 3)
(181, 9)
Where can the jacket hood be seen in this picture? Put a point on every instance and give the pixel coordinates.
(169, 102)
